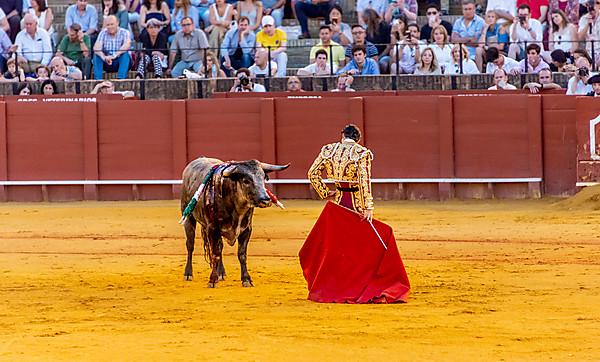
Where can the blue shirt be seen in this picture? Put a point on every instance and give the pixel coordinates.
(89, 19)
(5, 43)
(369, 68)
(231, 42)
(474, 29)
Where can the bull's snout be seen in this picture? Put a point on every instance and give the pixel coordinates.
(264, 201)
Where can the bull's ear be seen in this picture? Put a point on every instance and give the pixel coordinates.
(229, 170)
(270, 168)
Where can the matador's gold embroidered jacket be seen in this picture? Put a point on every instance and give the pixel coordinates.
(345, 161)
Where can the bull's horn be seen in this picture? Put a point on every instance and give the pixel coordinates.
(228, 171)
(269, 168)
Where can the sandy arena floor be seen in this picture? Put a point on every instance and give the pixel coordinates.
(492, 280)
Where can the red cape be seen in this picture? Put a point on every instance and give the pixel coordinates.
(344, 261)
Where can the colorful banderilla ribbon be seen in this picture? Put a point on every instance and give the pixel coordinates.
(194, 201)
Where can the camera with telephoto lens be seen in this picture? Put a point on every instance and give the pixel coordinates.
(244, 80)
(583, 72)
(522, 19)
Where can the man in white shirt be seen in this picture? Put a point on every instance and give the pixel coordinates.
(33, 45)
(260, 66)
(589, 28)
(243, 83)
(578, 83)
(501, 81)
(319, 67)
(498, 61)
(524, 29)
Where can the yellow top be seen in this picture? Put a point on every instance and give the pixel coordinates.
(274, 41)
(345, 161)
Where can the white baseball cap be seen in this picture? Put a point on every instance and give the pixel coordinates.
(268, 20)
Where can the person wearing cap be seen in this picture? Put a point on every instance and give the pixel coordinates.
(594, 81)
(275, 41)
(74, 49)
(155, 45)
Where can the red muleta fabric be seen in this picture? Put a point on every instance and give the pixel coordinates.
(343, 260)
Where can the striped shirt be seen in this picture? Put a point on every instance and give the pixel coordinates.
(112, 43)
(371, 50)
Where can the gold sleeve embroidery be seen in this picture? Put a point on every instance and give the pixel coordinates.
(315, 176)
(364, 180)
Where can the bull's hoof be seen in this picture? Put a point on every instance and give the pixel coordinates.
(212, 285)
(188, 278)
(247, 284)
(221, 277)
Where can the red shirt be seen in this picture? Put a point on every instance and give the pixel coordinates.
(535, 6)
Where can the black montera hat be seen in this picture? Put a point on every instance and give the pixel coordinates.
(594, 79)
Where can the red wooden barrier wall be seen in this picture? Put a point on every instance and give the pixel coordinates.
(412, 136)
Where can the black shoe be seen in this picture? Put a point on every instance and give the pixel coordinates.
(304, 36)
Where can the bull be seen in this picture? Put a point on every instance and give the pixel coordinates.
(224, 209)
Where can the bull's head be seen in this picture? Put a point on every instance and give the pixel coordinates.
(248, 178)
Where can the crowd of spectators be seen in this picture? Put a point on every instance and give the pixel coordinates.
(228, 38)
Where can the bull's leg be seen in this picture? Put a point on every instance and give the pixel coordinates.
(190, 235)
(242, 255)
(216, 257)
(221, 270)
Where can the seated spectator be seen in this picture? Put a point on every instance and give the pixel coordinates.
(538, 9)
(428, 65)
(221, 16)
(44, 17)
(133, 14)
(155, 54)
(580, 74)
(378, 31)
(335, 52)
(433, 21)
(360, 64)
(111, 51)
(275, 40)
(341, 32)
(505, 10)
(294, 84)
(581, 53)
(562, 35)
(467, 30)
(41, 74)
(24, 90)
(359, 37)
(524, 29)
(33, 45)
(344, 83)
(311, 9)
(62, 72)
(591, 20)
(493, 34)
(534, 60)
(11, 13)
(7, 49)
(441, 46)
(569, 7)
(74, 49)
(191, 43)
(397, 8)
(11, 74)
(237, 47)
(155, 9)
(320, 67)
(595, 83)
(203, 7)
(410, 51)
(48, 87)
(243, 83)
(498, 61)
(544, 82)
(4, 23)
(116, 8)
(468, 65)
(261, 65)
(275, 8)
(212, 66)
(253, 10)
(559, 60)
(85, 15)
(501, 81)
(108, 87)
(182, 9)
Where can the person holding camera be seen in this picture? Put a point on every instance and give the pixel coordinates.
(524, 29)
(398, 8)
(589, 28)
(243, 83)
(580, 74)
